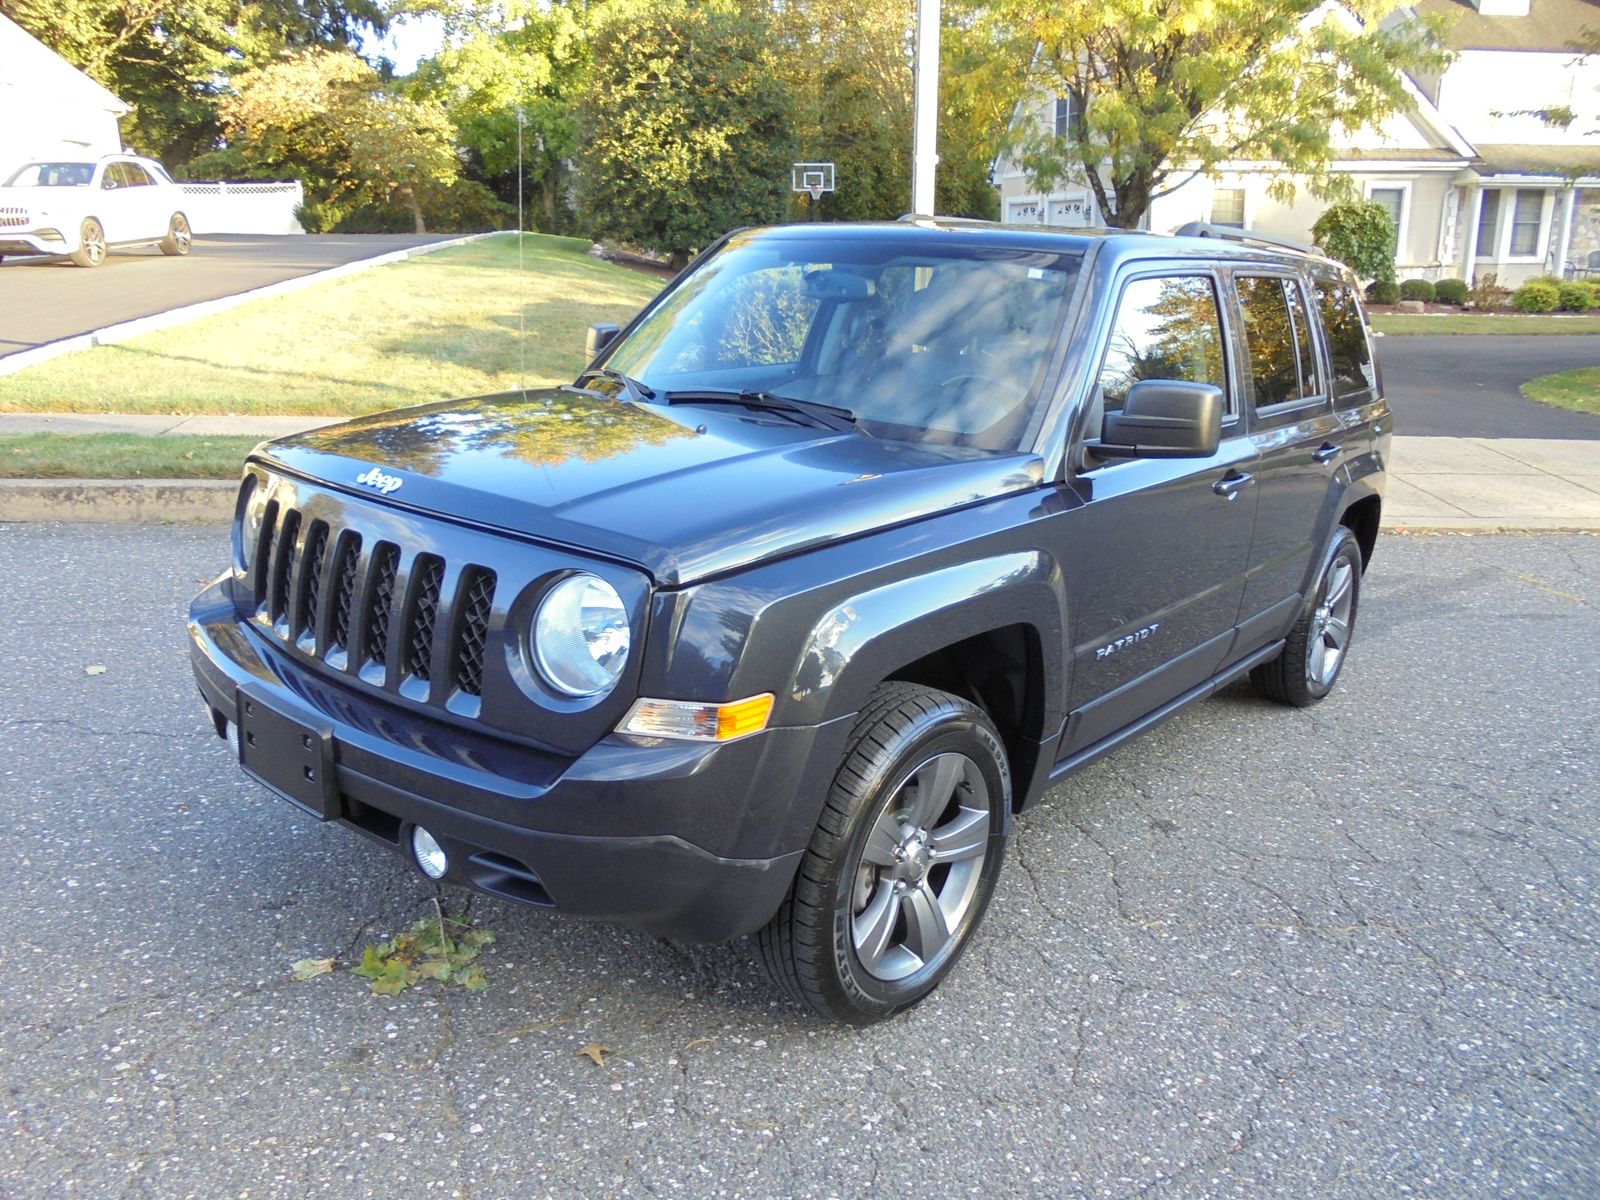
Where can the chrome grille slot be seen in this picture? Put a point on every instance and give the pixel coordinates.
(477, 590)
(305, 623)
(427, 573)
(347, 572)
(380, 601)
(263, 552)
(283, 552)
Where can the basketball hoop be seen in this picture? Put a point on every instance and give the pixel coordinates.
(814, 179)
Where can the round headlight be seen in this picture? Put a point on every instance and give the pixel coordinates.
(580, 636)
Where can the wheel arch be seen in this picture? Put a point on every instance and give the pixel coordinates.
(1363, 517)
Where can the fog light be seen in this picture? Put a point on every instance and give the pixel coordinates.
(429, 854)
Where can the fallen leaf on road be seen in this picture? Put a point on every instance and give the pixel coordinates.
(595, 1053)
(310, 968)
(97, 669)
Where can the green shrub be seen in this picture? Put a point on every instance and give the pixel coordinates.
(1579, 296)
(1417, 289)
(1451, 291)
(1536, 296)
(1383, 291)
(1359, 234)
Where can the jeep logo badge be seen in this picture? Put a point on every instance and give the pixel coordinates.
(376, 478)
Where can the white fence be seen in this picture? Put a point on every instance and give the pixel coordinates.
(247, 207)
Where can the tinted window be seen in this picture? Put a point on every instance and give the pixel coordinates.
(1348, 349)
(53, 174)
(133, 175)
(1165, 329)
(1282, 361)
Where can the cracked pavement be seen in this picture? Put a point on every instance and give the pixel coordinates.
(1341, 952)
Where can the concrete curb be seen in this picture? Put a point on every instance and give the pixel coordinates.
(118, 501)
(123, 330)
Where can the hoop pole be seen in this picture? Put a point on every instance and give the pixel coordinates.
(925, 122)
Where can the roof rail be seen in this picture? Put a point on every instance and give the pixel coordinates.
(912, 218)
(1234, 234)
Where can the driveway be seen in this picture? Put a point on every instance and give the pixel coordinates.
(46, 300)
(1345, 952)
(1444, 386)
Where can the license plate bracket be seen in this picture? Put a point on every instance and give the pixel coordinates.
(292, 757)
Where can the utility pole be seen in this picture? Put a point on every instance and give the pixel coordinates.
(925, 122)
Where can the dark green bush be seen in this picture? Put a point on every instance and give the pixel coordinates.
(1536, 296)
(1417, 289)
(1383, 291)
(1359, 234)
(1579, 296)
(1451, 291)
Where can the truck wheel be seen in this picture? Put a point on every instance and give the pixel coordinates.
(1309, 666)
(903, 860)
(91, 251)
(178, 237)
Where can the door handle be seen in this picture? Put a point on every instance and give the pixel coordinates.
(1325, 454)
(1231, 484)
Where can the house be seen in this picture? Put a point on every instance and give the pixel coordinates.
(1494, 170)
(48, 107)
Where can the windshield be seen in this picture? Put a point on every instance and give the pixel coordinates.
(922, 341)
(53, 174)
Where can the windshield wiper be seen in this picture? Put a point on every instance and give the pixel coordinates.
(828, 416)
(636, 392)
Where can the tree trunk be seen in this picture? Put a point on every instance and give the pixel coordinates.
(549, 185)
(409, 197)
(678, 260)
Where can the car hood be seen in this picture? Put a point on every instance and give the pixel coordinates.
(684, 491)
(43, 197)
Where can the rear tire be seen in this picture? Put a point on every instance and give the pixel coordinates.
(902, 863)
(179, 238)
(1318, 644)
(91, 251)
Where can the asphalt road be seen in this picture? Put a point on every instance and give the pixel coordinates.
(1342, 952)
(1445, 386)
(46, 300)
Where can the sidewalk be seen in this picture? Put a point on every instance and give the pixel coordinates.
(1480, 485)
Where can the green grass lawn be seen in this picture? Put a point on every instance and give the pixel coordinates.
(442, 325)
(121, 456)
(1578, 389)
(1401, 324)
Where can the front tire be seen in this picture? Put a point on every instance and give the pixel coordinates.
(179, 238)
(1315, 651)
(91, 251)
(903, 861)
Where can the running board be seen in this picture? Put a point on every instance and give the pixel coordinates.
(1150, 720)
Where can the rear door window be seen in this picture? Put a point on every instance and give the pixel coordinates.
(1166, 328)
(1283, 359)
(1349, 352)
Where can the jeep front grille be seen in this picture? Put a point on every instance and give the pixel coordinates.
(400, 620)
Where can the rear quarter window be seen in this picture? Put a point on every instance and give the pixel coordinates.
(1349, 351)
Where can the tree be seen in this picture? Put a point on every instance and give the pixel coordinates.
(535, 67)
(687, 126)
(170, 60)
(325, 117)
(1169, 89)
(1361, 235)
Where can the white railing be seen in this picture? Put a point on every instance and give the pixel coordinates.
(248, 206)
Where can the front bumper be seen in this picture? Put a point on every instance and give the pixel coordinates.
(34, 241)
(693, 841)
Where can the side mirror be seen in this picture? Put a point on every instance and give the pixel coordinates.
(600, 336)
(1164, 418)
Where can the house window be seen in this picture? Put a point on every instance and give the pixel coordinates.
(1393, 200)
(1527, 220)
(1227, 207)
(1488, 225)
(1067, 119)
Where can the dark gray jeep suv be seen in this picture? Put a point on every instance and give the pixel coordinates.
(854, 542)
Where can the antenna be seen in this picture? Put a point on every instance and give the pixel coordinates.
(522, 305)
